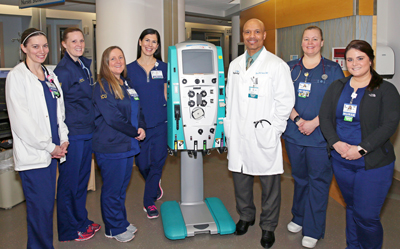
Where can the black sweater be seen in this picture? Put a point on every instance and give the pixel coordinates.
(379, 118)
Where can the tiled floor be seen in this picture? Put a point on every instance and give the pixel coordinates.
(217, 183)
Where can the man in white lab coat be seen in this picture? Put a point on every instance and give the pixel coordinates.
(259, 99)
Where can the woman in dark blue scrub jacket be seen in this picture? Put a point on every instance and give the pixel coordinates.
(73, 72)
(119, 126)
(358, 116)
(149, 77)
(35, 108)
(305, 145)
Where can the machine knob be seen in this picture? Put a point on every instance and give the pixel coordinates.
(214, 80)
(203, 93)
(191, 103)
(203, 103)
(197, 81)
(191, 94)
(200, 131)
(184, 81)
(212, 130)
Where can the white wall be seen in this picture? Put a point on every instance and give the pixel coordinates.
(388, 34)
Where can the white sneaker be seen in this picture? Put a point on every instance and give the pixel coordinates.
(131, 228)
(293, 227)
(123, 237)
(309, 242)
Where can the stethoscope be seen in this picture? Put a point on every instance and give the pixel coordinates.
(91, 81)
(48, 78)
(324, 76)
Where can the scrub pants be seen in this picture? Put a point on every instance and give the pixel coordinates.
(72, 215)
(312, 173)
(364, 192)
(151, 160)
(270, 200)
(116, 174)
(39, 187)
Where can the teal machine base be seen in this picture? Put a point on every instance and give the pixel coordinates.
(194, 214)
(210, 216)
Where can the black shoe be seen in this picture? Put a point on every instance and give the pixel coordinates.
(242, 226)
(267, 239)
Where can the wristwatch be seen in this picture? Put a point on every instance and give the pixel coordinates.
(296, 119)
(361, 151)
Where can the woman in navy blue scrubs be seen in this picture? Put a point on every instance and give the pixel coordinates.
(119, 126)
(36, 111)
(73, 72)
(358, 116)
(306, 147)
(149, 77)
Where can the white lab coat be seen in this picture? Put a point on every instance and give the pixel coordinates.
(29, 118)
(257, 151)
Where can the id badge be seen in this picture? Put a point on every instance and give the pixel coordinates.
(349, 112)
(253, 92)
(156, 74)
(304, 90)
(53, 90)
(133, 93)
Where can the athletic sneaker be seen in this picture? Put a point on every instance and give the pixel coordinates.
(123, 237)
(131, 228)
(293, 227)
(151, 211)
(94, 227)
(82, 236)
(160, 191)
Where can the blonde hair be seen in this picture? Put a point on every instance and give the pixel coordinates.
(106, 74)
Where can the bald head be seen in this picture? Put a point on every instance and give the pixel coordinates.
(254, 35)
(252, 22)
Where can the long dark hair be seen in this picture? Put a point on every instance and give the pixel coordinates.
(145, 32)
(366, 48)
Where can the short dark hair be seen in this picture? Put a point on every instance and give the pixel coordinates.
(145, 32)
(366, 48)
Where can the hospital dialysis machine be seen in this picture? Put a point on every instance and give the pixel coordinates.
(196, 108)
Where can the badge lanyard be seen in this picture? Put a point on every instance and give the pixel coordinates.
(156, 74)
(349, 109)
(49, 80)
(131, 91)
(253, 90)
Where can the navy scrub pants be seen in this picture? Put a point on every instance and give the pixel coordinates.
(151, 160)
(364, 192)
(39, 187)
(116, 174)
(312, 173)
(74, 173)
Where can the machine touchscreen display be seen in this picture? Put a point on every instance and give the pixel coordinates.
(197, 61)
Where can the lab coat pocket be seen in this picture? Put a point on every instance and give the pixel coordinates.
(266, 136)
